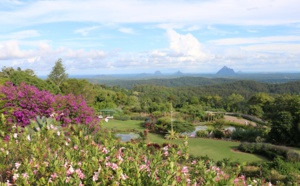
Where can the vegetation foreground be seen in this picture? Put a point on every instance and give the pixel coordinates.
(47, 154)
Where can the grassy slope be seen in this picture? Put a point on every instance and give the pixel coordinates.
(215, 149)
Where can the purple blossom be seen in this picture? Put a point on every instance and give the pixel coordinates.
(27, 102)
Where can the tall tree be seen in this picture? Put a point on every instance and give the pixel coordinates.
(58, 74)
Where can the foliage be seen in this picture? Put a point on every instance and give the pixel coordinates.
(58, 74)
(18, 77)
(164, 124)
(23, 103)
(284, 115)
(79, 87)
(270, 151)
(71, 109)
(249, 135)
(172, 135)
(201, 133)
(218, 133)
(138, 117)
(122, 117)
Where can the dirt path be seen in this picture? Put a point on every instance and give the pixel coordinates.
(239, 120)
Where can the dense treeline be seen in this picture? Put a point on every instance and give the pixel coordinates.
(277, 104)
(192, 81)
(167, 82)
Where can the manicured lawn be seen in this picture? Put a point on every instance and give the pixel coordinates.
(214, 149)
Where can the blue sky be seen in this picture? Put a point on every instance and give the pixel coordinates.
(143, 36)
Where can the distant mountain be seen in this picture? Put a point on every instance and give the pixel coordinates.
(225, 71)
(157, 72)
(178, 73)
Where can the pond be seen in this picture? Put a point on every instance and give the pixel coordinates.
(197, 128)
(127, 136)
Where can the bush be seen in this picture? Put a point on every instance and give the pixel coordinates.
(164, 125)
(218, 134)
(201, 133)
(122, 117)
(270, 151)
(249, 135)
(25, 102)
(138, 117)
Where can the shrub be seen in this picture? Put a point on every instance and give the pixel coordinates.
(201, 133)
(218, 134)
(164, 124)
(249, 135)
(270, 151)
(25, 102)
(71, 109)
(122, 117)
(138, 117)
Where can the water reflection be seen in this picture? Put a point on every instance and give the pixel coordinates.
(127, 137)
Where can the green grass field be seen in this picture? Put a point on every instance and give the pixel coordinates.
(214, 149)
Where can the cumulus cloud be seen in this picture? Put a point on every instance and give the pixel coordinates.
(186, 45)
(44, 56)
(11, 50)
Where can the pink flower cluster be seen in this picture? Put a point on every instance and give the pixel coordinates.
(27, 102)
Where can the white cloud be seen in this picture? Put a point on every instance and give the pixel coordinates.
(11, 50)
(85, 31)
(275, 48)
(126, 30)
(20, 35)
(186, 45)
(43, 57)
(247, 41)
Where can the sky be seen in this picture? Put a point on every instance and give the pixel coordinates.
(144, 36)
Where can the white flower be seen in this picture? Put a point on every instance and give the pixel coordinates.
(71, 169)
(15, 176)
(28, 138)
(106, 120)
(52, 115)
(17, 165)
(58, 133)
(15, 135)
